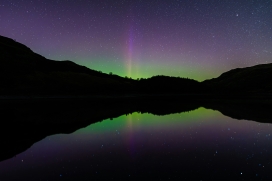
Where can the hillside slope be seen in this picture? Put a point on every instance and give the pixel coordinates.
(24, 72)
(249, 80)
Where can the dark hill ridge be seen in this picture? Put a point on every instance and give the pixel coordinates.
(14, 53)
(170, 85)
(24, 72)
(13, 46)
(249, 80)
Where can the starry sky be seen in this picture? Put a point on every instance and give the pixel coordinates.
(198, 39)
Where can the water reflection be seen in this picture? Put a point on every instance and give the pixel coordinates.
(196, 145)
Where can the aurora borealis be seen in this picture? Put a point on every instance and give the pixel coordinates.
(199, 39)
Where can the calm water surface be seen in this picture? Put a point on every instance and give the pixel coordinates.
(197, 145)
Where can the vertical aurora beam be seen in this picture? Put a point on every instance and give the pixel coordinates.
(128, 57)
(129, 44)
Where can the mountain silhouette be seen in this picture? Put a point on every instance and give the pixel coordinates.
(170, 85)
(24, 72)
(249, 80)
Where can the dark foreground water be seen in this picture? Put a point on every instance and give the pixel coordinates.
(198, 145)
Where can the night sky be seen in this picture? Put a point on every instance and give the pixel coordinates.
(198, 39)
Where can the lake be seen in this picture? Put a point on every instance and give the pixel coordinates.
(201, 144)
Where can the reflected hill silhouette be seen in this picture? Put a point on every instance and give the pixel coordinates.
(253, 110)
(25, 122)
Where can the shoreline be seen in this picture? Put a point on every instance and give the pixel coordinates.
(103, 96)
